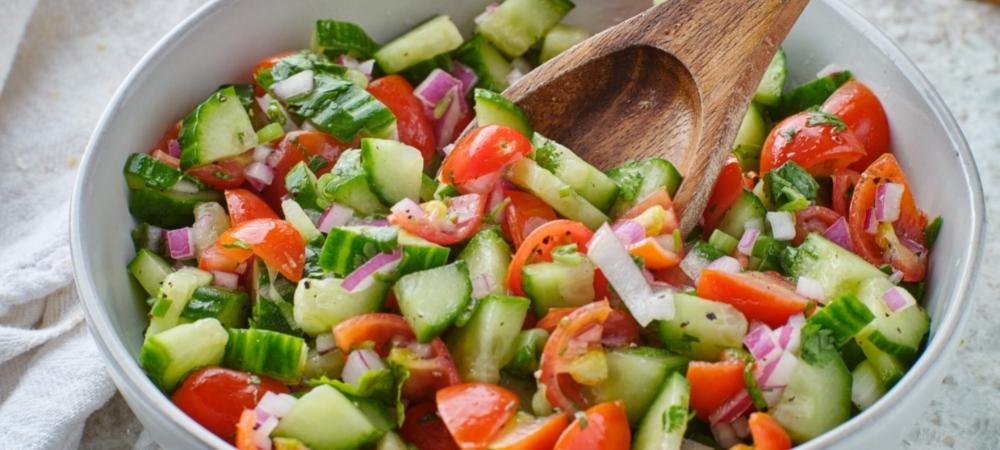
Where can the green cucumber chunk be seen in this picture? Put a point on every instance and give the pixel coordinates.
(170, 356)
(325, 419)
(898, 333)
(487, 256)
(149, 269)
(300, 220)
(746, 207)
(813, 93)
(560, 38)
(277, 355)
(664, 424)
(773, 84)
(419, 254)
(866, 387)
(817, 398)
(750, 138)
(167, 209)
(431, 300)
(340, 107)
(321, 304)
(888, 368)
(429, 39)
(592, 184)
(300, 182)
(218, 128)
(347, 184)
(558, 285)
(495, 109)
(489, 64)
(225, 305)
(723, 241)
(636, 180)
(272, 297)
(270, 132)
(635, 376)
(333, 37)
(844, 318)
(142, 170)
(486, 342)
(516, 25)
(394, 169)
(175, 292)
(701, 328)
(347, 248)
(834, 267)
(528, 346)
(528, 175)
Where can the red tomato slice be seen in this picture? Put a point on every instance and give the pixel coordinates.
(767, 433)
(414, 126)
(244, 430)
(726, 190)
(570, 339)
(217, 258)
(538, 246)
(813, 143)
(604, 427)
(483, 151)
(759, 296)
(465, 214)
(244, 205)
(381, 329)
(814, 219)
(862, 112)
(844, 181)
(215, 397)
(536, 434)
(423, 427)
(712, 384)
(523, 215)
(225, 173)
(316, 148)
(475, 412)
(276, 242)
(619, 327)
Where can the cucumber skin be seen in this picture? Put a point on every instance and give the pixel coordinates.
(810, 94)
(413, 307)
(493, 108)
(347, 184)
(277, 355)
(486, 342)
(651, 435)
(638, 179)
(398, 55)
(531, 177)
(300, 182)
(194, 151)
(747, 206)
(325, 419)
(528, 346)
(837, 269)
(487, 254)
(156, 359)
(333, 37)
(167, 209)
(142, 170)
(149, 269)
(226, 306)
(489, 64)
(826, 390)
(773, 82)
(516, 25)
(347, 248)
(596, 187)
(634, 376)
(845, 317)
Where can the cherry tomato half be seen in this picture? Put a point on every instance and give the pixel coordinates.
(861, 110)
(316, 148)
(462, 219)
(523, 215)
(604, 426)
(412, 122)
(566, 343)
(475, 412)
(244, 205)
(814, 140)
(483, 151)
(215, 397)
(276, 242)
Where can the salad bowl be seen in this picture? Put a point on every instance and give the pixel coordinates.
(221, 41)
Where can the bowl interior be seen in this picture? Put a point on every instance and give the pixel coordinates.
(221, 42)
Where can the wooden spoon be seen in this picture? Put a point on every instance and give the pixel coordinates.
(673, 82)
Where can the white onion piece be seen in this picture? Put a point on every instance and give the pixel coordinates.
(265, 102)
(359, 362)
(513, 76)
(788, 337)
(797, 320)
(261, 152)
(895, 277)
(180, 244)
(275, 405)
(871, 225)
(260, 175)
(363, 276)
(772, 396)
(888, 198)
(725, 264)
(741, 426)
(226, 280)
(262, 435)
(325, 343)
(409, 208)
(748, 240)
(445, 125)
(693, 264)
(897, 298)
(629, 232)
(336, 215)
(778, 373)
(782, 225)
(810, 288)
(486, 13)
(184, 186)
(609, 255)
(293, 86)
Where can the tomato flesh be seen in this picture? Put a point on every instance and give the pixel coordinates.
(483, 151)
(818, 146)
(712, 384)
(317, 149)
(462, 220)
(276, 242)
(475, 412)
(244, 205)
(726, 190)
(423, 428)
(571, 338)
(523, 215)
(863, 114)
(767, 433)
(758, 295)
(412, 123)
(215, 397)
(604, 427)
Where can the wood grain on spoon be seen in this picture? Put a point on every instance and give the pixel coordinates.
(673, 82)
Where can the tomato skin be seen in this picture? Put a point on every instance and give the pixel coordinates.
(759, 296)
(475, 412)
(413, 124)
(378, 328)
(820, 149)
(712, 384)
(524, 213)
(606, 429)
(276, 242)
(844, 181)
(813, 219)
(423, 428)
(561, 391)
(467, 209)
(216, 258)
(483, 151)
(538, 246)
(767, 433)
(619, 327)
(244, 205)
(295, 147)
(225, 173)
(215, 397)
(726, 190)
(427, 374)
(862, 111)
(542, 438)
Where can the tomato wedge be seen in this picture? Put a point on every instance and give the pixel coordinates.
(483, 151)
(276, 242)
(654, 255)
(530, 433)
(844, 181)
(244, 205)
(523, 215)
(814, 140)
(813, 219)
(461, 220)
(604, 427)
(244, 430)
(726, 190)
(572, 337)
(423, 428)
(538, 246)
(759, 296)
(317, 149)
(863, 114)
(712, 384)
(381, 329)
(412, 123)
(475, 413)
(767, 433)
(619, 327)
(215, 397)
(225, 173)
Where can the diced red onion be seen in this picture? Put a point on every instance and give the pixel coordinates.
(226, 280)
(365, 67)
(733, 408)
(184, 186)
(521, 64)
(888, 198)
(264, 102)
(839, 234)
(871, 225)
(897, 298)
(464, 74)
(325, 343)
(810, 288)
(756, 223)
(362, 277)
(275, 405)
(293, 86)
(725, 264)
(336, 215)
(261, 152)
(359, 362)
(782, 225)
(912, 245)
(629, 232)
(445, 126)
(531, 224)
(760, 342)
(409, 208)
(174, 148)
(693, 264)
(788, 337)
(262, 435)
(486, 13)
(483, 183)
(609, 255)
(376, 222)
(725, 435)
(778, 373)
(180, 243)
(895, 277)
(742, 427)
(260, 175)
(482, 286)
(435, 88)
(746, 242)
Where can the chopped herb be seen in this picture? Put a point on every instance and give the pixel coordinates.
(675, 418)
(221, 175)
(582, 418)
(237, 244)
(818, 117)
(547, 156)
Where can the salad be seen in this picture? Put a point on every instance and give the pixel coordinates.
(332, 264)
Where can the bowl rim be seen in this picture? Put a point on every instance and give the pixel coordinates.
(129, 377)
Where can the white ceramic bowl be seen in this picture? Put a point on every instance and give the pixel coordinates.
(222, 41)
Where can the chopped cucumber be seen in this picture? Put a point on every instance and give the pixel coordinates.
(321, 304)
(701, 328)
(149, 269)
(300, 182)
(169, 356)
(324, 419)
(723, 241)
(483, 58)
(300, 220)
(844, 318)
(773, 84)
(175, 292)
(218, 128)
(347, 184)
(420, 254)
(167, 209)
(338, 106)
(746, 207)
(516, 25)
(394, 169)
(487, 256)
(428, 186)
(333, 37)
(635, 376)
(277, 355)
(817, 399)
(559, 39)
(226, 306)
(836, 268)
(210, 221)
(813, 93)
(888, 368)
(528, 175)
(142, 170)
(392, 441)
(486, 342)
(592, 184)
(495, 109)
(866, 387)
(430, 300)
(558, 285)
(528, 346)
(347, 248)
(898, 333)
(637, 179)
(272, 297)
(750, 138)
(664, 425)
(429, 39)
(270, 132)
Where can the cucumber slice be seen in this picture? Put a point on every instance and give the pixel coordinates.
(394, 169)
(333, 37)
(347, 248)
(768, 254)
(487, 256)
(347, 184)
(300, 182)
(750, 138)
(528, 346)
(272, 298)
(844, 318)
(898, 333)
(142, 170)
(817, 399)
(324, 419)
(210, 221)
(419, 254)
(813, 93)
(557, 285)
(637, 179)
(338, 106)
(218, 128)
(516, 25)
(486, 343)
(277, 355)
(746, 207)
(495, 109)
(836, 268)
(298, 219)
(169, 356)
(635, 376)
(488, 63)
(888, 368)
(773, 84)
(701, 329)
(167, 209)
(391, 441)
(429, 39)
(664, 425)
(592, 184)
(431, 300)
(176, 291)
(149, 269)
(321, 304)
(560, 38)
(866, 387)
(226, 306)
(528, 175)
(722, 241)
